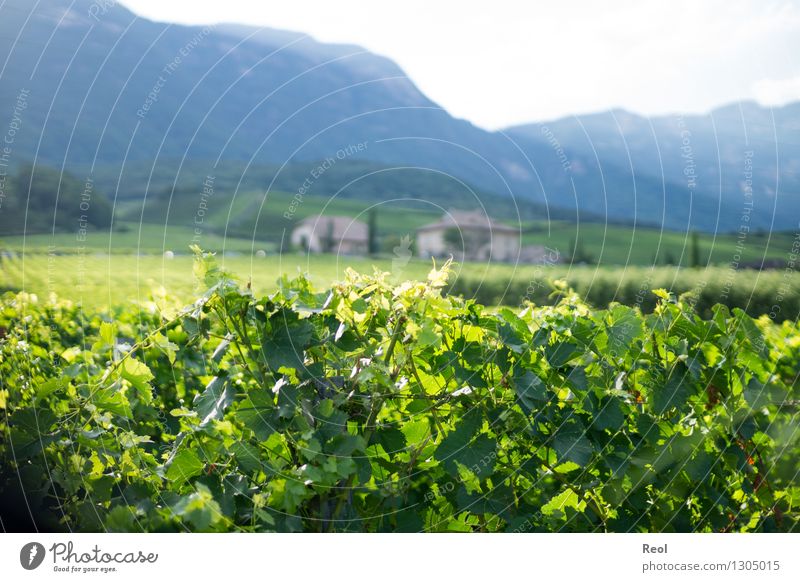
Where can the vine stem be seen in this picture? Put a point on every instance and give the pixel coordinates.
(375, 408)
(395, 336)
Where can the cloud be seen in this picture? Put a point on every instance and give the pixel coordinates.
(777, 92)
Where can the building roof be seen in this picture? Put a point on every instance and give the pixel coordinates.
(468, 220)
(338, 227)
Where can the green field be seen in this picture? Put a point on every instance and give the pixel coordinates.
(97, 279)
(128, 239)
(625, 245)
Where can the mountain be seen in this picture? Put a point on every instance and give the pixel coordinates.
(105, 92)
(744, 155)
(113, 87)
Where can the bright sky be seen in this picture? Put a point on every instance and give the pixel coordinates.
(504, 62)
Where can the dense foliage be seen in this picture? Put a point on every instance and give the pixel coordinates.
(772, 293)
(379, 407)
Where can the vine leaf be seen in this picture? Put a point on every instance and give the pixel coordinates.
(199, 508)
(624, 329)
(183, 466)
(560, 353)
(257, 413)
(212, 402)
(291, 336)
(531, 391)
(455, 446)
(609, 415)
(139, 375)
(571, 444)
(674, 392)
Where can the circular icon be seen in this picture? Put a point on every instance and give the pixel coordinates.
(31, 555)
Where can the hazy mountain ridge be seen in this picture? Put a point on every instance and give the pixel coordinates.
(745, 155)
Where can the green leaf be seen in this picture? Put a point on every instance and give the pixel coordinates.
(455, 445)
(247, 456)
(214, 400)
(49, 387)
(139, 375)
(699, 467)
(166, 346)
(746, 325)
(108, 333)
(571, 444)
(578, 380)
(479, 456)
(112, 400)
(661, 294)
(674, 392)
(100, 488)
(344, 445)
(291, 336)
(513, 331)
(625, 327)
(288, 399)
(609, 415)
(34, 422)
(106, 337)
(515, 321)
(391, 439)
(257, 413)
(222, 348)
(560, 353)
(185, 465)
(121, 519)
(415, 432)
(558, 505)
(531, 391)
(511, 337)
(756, 394)
(200, 508)
(428, 336)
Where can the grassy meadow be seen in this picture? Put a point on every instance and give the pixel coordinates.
(96, 279)
(101, 280)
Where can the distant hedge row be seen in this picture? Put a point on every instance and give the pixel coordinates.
(772, 293)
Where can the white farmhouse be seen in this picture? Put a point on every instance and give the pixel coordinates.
(331, 234)
(468, 235)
